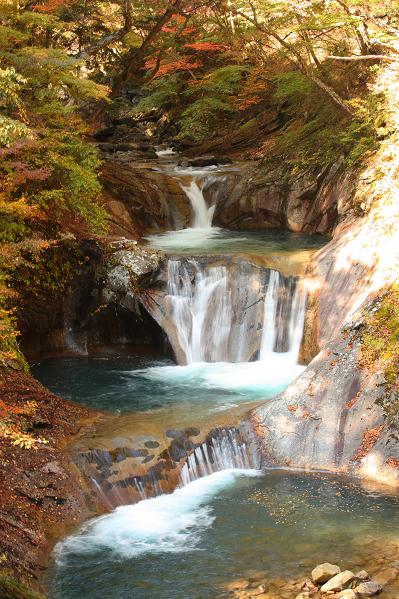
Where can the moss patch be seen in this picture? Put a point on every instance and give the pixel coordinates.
(380, 341)
(380, 347)
(12, 589)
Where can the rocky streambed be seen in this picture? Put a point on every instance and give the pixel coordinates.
(327, 580)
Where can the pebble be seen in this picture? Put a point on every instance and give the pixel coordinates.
(346, 594)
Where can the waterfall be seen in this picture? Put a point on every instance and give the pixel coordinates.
(202, 214)
(201, 338)
(231, 313)
(269, 318)
(284, 316)
(224, 450)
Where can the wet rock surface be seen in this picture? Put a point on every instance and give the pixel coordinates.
(261, 198)
(141, 200)
(324, 572)
(121, 475)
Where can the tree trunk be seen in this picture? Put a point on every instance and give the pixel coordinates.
(328, 91)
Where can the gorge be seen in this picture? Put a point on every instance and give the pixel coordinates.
(234, 308)
(199, 304)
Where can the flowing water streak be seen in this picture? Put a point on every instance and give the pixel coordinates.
(284, 316)
(202, 214)
(217, 312)
(191, 306)
(269, 316)
(225, 451)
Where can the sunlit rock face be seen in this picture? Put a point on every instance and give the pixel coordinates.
(331, 417)
(324, 419)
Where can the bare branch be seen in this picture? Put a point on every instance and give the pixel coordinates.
(358, 57)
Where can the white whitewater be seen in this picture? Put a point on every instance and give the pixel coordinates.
(191, 306)
(296, 309)
(164, 524)
(202, 215)
(269, 331)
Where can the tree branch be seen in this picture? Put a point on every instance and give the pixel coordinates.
(358, 57)
(305, 69)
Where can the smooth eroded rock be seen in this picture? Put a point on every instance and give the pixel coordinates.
(346, 594)
(324, 572)
(368, 589)
(338, 582)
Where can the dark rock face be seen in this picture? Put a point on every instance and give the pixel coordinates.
(141, 200)
(258, 198)
(41, 492)
(202, 161)
(98, 310)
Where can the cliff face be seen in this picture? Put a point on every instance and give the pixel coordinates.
(259, 198)
(140, 200)
(99, 308)
(332, 416)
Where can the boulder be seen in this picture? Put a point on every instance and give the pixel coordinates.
(339, 582)
(202, 161)
(324, 572)
(368, 589)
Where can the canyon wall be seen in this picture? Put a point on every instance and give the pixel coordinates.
(334, 416)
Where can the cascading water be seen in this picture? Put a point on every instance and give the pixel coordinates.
(230, 314)
(202, 215)
(202, 339)
(284, 315)
(224, 450)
